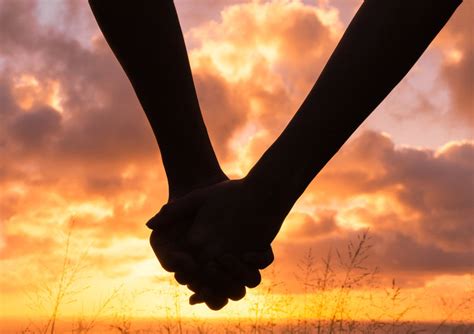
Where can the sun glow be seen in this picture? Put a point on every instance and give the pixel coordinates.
(241, 145)
(454, 56)
(76, 190)
(29, 91)
(97, 210)
(329, 16)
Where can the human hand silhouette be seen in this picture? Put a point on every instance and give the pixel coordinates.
(219, 225)
(213, 241)
(214, 282)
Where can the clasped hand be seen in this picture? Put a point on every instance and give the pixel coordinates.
(215, 239)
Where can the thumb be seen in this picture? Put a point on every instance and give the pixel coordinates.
(177, 210)
(259, 260)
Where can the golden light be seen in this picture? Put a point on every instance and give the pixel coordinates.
(241, 146)
(94, 209)
(454, 56)
(251, 49)
(349, 215)
(269, 51)
(29, 91)
(54, 98)
(353, 214)
(26, 89)
(329, 17)
(450, 145)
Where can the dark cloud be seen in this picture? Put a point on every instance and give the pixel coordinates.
(460, 81)
(458, 73)
(309, 227)
(33, 129)
(223, 109)
(440, 190)
(423, 227)
(395, 254)
(100, 147)
(16, 18)
(250, 67)
(7, 101)
(102, 124)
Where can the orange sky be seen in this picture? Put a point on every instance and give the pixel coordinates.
(75, 146)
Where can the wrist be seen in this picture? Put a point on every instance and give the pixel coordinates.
(269, 197)
(179, 191)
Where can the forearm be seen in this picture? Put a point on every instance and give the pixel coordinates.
(146, 38)
(382, 43)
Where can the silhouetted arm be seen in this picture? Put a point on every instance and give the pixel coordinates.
(146, 38)
(382, 43)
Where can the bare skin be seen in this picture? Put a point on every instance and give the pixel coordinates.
(224, 222)
(382, 43)
(214, 233)
(209, 238)
(147, 40)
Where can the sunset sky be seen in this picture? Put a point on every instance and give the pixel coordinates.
(75, 148)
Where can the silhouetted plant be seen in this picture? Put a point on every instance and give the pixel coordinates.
(51, 297)
(329, 287)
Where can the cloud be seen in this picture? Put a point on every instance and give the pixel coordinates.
(458, 45)
(93, 117)
(433, 187)
(395, 254)
(66, 103)
(16, 18)
(17, 245)
(73, 139)
(78, 145)
(192, 14)
(32, 130)
(418, 204)
(251, 66)
(310, 227)
(223, 109)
